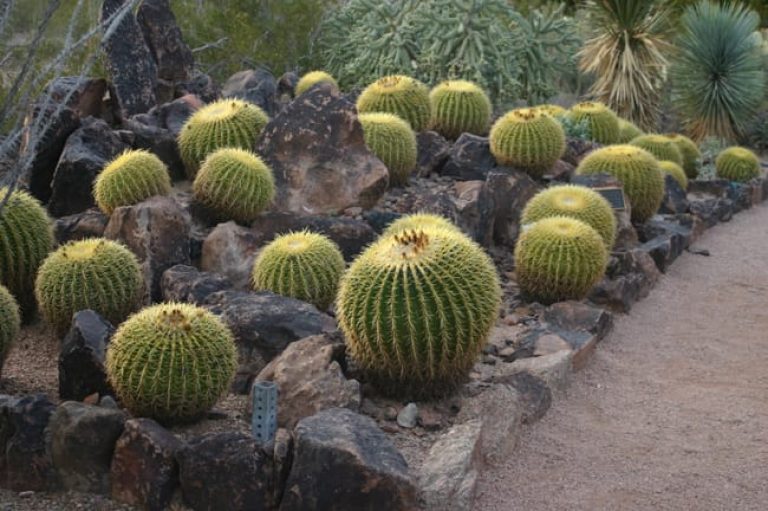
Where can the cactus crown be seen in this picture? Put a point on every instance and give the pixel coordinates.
(420, 220)
(552, 110)
(527, 138)
(589, 107)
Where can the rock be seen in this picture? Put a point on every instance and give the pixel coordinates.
(27, 462)
(561, 171)
(182, 283)
(88, 224)
(675, 199)
(86, 96)
(554, 369)
(202, 86)
(173, 115)
(157, 231)
(626, 235)
(230, 250)
(286, 84)
(469, 159)
(264, 324)
(7, 404)
(380, 220)
(712, 187)
(449, 474)
(159, 141)
(740, 194)
(226, 471)
(321, 164)
(368, 471)
(162, 35)
(666, 238)
(255, 85)
(85, 154)
(81, 359)
(535, 397)
(712, 210)
(629, 278)
(408, 416)
(144, 471)
(581, 325)
(500, 412)
(576, 149)
(309, 379)
(282, 457)
(433, 151)
(129, 61)
(82, 441)
(510, 192)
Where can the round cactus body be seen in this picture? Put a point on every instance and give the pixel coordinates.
(637, 169)
(171, 362)
(627, 132)
(558, 259)
(577, 202)
(10, 323)
(235, 184)
(95, 274)
(602, 121)
(313, 78)
(660, 146)
(553, 110)
(224, 123)
(459, 106)
(419, 221)
(690, 153)
(26, 239)
(303, 265)
(737, 164)
(527, 138)
(416, 308)
(392, 140)
(676, 171)
(129, 179)
(401, 95)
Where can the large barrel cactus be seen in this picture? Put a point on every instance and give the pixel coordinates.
(401, 95)
(637, 169)
(737, 164)
(303, 265)
(313, 78)
(96, 274)
(416, 308)
(129, 179)
(171, 362)
(559, 258)
(10, 323)
(577, 202)
(459, 106)
(690, 153)
(223, 123)
(676, 171)
(392, 140)
(627, 131)
(603, 123)
(418, 221)
(663, 148)
(551, 109)
(527, 138)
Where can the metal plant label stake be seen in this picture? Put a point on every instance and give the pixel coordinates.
(264, 417)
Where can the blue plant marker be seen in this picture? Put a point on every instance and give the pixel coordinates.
(264, 418)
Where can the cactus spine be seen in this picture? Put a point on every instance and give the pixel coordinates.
(129, 179)
(737, 164)
(392, 140)
(401, 95)
(459, 106)
(418, 221)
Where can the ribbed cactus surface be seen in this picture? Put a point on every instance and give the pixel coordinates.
(602, 121)
(676, 171)
(690, 153)
(737, 164)
(401, 95)
(130, 178)
(627, 132)
(393, 141)
(460, 106)
(10, 323)
(662, 147)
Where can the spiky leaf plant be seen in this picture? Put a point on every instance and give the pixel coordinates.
(460, 106)
(224, 123)
(718, 76)
(10, 323)
(558, 259)
(660, 146)
(416, 308)
(626, 55)
(401, 95)
(393, 141)
(690, 153)
(420, 220)
(637, 169)
(171, 362)
(95, 274)
(303, 265)
(627, 131)
(26, 238)
(235, 184)
(132, 177)
(527, 138)
(676, 171)
(737, 164)
(313, 78)
(577, 202)
(602, 121)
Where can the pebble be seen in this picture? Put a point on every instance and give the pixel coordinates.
(408, 416)
(26, 494)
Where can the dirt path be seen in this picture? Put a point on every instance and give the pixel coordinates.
(672, 412)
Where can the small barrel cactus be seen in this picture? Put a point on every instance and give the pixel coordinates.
(416, 308)
(602, 121)
(459, 106)
(10, 323)
(558, 259)
(223, 123)
(660, 146)
(129, 179)
(627, 132)
(171, 362)
(553, 110)
(235, 184)
(401, 95)
(676, 171)
(527, 138)
(313, 78)
(95, 274)
(418, 221)
(577, 202)
(737, 164)
(26, 239)
(392, 140)
(637, 169)
(303, 265)
(690, 153)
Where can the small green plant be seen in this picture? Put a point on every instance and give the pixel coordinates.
(627, 132)
(737, 164)
(129, 179)
(171, 362)
(313, 78)
(676, 171)
(690, 153)
(235, 184)
(418, 221)
(603, 123)
(662, 147)
(399, 95)
(558, 259)
(303, 265)
(392, 140)
(575, 129)
(10, 323)
(459, 106)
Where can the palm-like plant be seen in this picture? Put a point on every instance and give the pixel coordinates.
(626, 56)
(718, 77)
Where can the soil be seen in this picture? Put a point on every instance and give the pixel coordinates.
(672, 412)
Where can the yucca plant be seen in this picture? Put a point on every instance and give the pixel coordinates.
(718, 80)
(626, 56)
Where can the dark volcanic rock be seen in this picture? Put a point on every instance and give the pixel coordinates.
(202, 86)
(255, 85)
(510, 192)
(172, 56)
(576, 149)
(433, 153)
(159, 141)
(27, 461)
(627, 281)
(88, 224)
(173, 115)
(86, 96)
(286, 84)
(578, 316)
(666, 238)
(712, 210)
(469, 158)
(182, 283)
(81, 360)
(675, 199)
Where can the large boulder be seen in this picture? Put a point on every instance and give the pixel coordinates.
(81, 359)
(162, 34)
(183, 283)
(255, 85)
(317, 152)
(86, 96)
(469, 158)
(230, 250)
(510, 191)
(433, 151)
(26, 462)
(88, 224)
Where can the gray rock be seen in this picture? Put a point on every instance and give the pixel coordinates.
(630, 277)
(182, 283)
(433, 151)
(666, 238)
(88, 224)
(255, 85)
(510, 191)
(469, 159)
(159, 141)
(534, 394)
(27, 463)
(576, 149)
(230, 250)
(86, 96)
(500, 412)
(408, 416)
(675, 199)
(172, 56)
(202, 86)
(554, 369)
(81, 359)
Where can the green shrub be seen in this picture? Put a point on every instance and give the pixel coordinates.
(737, 164)
(660, 146)
(130, 178)
(459, 106)
(392, 140)
(420, 220)
(690, 153)
(10, 323)
(399, 95)
(603, 123)
(676, 171)
(313, 78)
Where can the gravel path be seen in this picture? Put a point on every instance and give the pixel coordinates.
(672, 412)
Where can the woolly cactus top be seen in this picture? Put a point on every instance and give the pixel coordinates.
(420, 220)
(553, 110)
